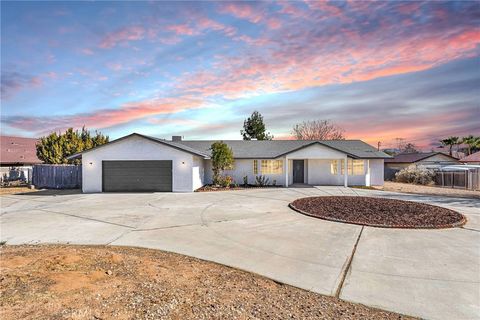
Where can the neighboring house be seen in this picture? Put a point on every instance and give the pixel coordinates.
(17, 155)
(142, 163)
(430, 160)
(474, 158)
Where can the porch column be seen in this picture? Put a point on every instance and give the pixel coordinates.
(345, 172)
(368, 182)
(286, 172)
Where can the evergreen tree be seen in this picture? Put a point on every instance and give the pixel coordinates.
(55, 148)
(254, 128)
(222, 159)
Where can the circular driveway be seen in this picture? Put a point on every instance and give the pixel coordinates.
(416, 272)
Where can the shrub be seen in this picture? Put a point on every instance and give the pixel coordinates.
(245, 181)
(222, 159)
(261, 181)
(223, 181)
(274, 182)
(416, 175)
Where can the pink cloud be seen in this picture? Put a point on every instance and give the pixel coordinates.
(253, 14)
(87, 51)
(124, 35)
(182, 29)
(13, 82)
(104, 118)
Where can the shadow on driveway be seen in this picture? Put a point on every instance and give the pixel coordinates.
(52, 192)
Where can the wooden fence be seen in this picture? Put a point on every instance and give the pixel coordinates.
(57, 176)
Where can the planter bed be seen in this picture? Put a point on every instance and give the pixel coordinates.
(379, 212)
(211, 188)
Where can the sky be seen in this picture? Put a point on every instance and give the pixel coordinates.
(380, 70)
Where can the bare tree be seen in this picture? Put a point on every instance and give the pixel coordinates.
(318, 130)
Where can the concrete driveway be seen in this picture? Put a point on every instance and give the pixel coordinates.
(432, 274)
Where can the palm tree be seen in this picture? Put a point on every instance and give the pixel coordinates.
(472, 142)
(450, 142)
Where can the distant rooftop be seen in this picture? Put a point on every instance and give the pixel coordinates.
(474, 157)
(414, 157)
(18, 150)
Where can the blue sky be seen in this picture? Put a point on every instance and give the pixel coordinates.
(381, 70)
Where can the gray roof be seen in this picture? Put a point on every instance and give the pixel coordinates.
(277, 148)
(254, 149)
(415, 157)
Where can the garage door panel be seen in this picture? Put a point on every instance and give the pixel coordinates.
(133, 175)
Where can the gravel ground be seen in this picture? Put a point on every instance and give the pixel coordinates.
(98, 282)
(379, 212)
(418, 189)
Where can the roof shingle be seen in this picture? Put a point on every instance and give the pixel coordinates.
(18, 150)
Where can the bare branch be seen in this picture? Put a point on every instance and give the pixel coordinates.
(318, 130)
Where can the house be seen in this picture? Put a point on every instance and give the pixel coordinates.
(430, 160)
(17, 156)
(141, 163)
(474, 158)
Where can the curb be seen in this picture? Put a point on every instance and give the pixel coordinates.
(393, 226)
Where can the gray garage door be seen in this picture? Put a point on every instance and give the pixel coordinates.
(137, 176)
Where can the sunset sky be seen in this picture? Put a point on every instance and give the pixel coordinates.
(380, 70)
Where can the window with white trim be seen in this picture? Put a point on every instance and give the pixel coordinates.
(255, 166)
(272, 166)
(354, 167)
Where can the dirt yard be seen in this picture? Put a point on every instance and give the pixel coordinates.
(88, 282)
(14, 190)
(418, 189)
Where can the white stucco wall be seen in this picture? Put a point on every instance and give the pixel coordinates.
(376, 172)
(198, 172)
(242, 168)
(317, 168)
(316, 151)
(138, 148)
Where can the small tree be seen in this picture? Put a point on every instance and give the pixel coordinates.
(317, 130)
(55, 148)
(222, 159)
(409, 148)
(254, 128)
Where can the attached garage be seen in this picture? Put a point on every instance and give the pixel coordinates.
(138, 163)
(137, 176)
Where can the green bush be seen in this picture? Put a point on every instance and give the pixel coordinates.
(415, 175)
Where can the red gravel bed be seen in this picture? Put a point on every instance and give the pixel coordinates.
(379, 212)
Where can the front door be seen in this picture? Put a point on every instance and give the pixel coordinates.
(298, 171)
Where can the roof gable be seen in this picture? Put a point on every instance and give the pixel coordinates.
(156, 140)
(415, 157)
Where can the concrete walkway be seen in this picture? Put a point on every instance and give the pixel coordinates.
(433, 274)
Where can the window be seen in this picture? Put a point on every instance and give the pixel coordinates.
(334, 167)
(272, 166)
(358, 168)
(255, 166)
(355, 167)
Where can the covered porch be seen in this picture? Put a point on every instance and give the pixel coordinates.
(334, 171)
